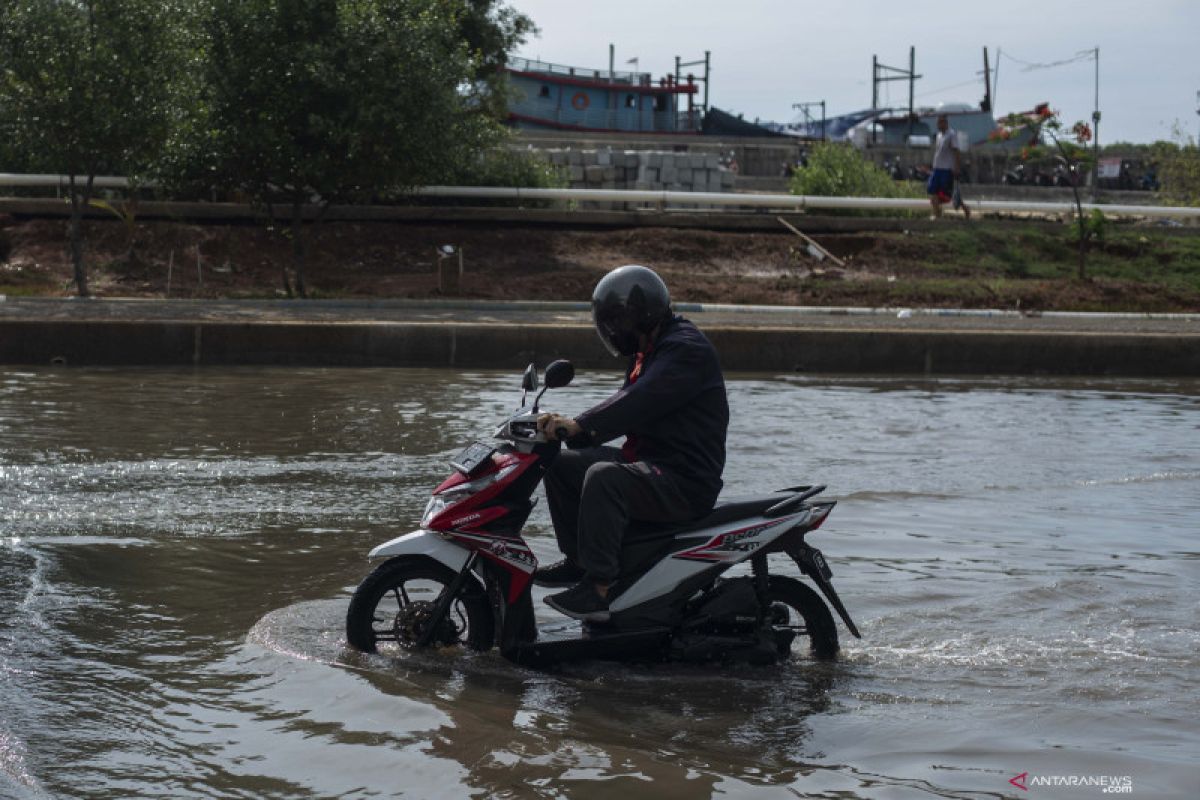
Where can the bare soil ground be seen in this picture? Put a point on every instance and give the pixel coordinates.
(398, 260)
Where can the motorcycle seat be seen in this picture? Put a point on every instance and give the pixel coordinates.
(731, 509)
(728, 509)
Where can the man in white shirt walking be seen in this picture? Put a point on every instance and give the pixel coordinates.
(947, 165)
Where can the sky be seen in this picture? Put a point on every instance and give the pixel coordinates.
(769, 54)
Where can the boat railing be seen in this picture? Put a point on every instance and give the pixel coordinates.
(688, 120)
(621, 119)
(532, 65)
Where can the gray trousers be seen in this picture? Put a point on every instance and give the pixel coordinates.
(593, 495)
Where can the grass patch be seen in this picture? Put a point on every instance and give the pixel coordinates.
(26, 289)
(1138, 255)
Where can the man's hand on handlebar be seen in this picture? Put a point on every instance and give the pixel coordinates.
(556, 427)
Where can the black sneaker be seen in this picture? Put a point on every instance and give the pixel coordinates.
(581, 601)
(562, 573)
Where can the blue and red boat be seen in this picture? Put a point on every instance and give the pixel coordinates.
(556, 97)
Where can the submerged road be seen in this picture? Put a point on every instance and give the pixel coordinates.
(177, 548)
(488, 334)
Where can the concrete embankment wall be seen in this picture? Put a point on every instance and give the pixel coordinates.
(467, 345)
(641, 170)
(755, 155)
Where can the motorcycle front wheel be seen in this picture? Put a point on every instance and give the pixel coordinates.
(797, 607)
(394, 605)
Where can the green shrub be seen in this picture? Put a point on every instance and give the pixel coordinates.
(836, 169)
(505, 166)
(1179, 171)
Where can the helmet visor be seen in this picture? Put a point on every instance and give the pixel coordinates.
(619, 339)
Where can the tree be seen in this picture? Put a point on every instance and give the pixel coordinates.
(83, 85)
(1179, 168)
(492, 31)
(1069, 145)
(323, 101)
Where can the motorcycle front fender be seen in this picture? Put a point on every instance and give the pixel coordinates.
(424, 543)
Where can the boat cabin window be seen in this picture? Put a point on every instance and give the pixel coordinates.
(660, 102)
(544, 91)
(631, 101)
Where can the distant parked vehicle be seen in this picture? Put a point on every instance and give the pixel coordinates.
(1065, 174)
(1014, 176)
(892, 167)
(1021, 175)
(919, 172)
(1125, 178)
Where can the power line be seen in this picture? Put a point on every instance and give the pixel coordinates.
(971, 82)
(1030, 66)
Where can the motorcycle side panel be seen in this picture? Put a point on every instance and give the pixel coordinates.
(662, 578)
(726, 545)
(424, 543)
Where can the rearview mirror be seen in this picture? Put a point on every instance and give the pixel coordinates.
(529, 381)
(559, 374)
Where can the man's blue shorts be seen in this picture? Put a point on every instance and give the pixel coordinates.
(941, 183)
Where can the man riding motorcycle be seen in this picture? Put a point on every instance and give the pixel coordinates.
(674, 414)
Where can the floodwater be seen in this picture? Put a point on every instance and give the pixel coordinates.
(177, 550)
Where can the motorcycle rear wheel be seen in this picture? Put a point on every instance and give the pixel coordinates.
(807, 616)
(392, 606)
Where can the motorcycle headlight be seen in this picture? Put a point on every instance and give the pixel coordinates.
(457, 494)
(436, 505)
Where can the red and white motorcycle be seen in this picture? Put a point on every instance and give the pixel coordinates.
(465, 577)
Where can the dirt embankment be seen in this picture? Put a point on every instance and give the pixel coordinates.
(509, 262)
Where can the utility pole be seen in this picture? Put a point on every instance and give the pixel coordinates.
(996, 79)
(707, 67)
(612, 78)
(706, 61)
(910, 75)
(1096, 133)
(987, 83)
(804, 107)
(874, 82)
(912, 70)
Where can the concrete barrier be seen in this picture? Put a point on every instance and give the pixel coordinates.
(485, 345)
(903, 352)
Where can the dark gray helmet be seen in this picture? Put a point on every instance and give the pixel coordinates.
(628, 302)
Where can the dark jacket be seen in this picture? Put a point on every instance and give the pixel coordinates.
(676, 408)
